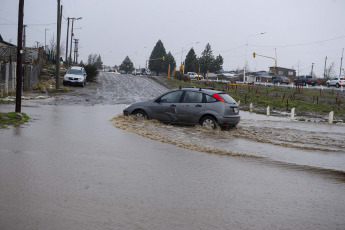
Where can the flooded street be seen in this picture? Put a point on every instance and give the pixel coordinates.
(80, 164)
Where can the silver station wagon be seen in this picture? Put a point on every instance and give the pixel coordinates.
(190, 106)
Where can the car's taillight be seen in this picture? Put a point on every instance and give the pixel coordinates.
(218, 97)
(340, 81)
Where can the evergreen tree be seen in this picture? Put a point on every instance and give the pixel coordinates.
(191, 63)
(206, 60)
(157, 53)
(127, 65)
(169, 59)
(99, 62)
(217, 64)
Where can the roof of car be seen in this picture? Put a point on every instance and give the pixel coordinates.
(76, 67)
(204, 90)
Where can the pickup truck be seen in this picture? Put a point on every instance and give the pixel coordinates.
(304, 80)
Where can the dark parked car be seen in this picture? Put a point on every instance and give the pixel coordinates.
(304, 80)
(193, 106)
(281, 80)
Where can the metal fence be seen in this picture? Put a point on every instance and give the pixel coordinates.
(7, 78)
(30, 72)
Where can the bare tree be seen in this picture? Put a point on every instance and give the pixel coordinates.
(330, 71)
(52, 46)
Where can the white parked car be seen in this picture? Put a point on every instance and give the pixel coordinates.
(194, 76)
(75, 75)
(337, 82)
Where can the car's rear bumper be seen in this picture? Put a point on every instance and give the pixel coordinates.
(229, 121)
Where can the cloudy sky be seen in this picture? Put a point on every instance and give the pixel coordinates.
(299, 32)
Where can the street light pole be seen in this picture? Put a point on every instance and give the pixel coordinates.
(70, 53)
(245, 55)
(184, 63)
(312, 67)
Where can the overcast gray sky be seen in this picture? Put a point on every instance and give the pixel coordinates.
(301, 32)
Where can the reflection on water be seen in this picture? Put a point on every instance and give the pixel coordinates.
(271, 139)
(70, 168)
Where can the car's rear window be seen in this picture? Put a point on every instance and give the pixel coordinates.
(227, 98)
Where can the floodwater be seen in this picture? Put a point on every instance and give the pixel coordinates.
(79, 164)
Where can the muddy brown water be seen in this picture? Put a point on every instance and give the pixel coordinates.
(78, 166)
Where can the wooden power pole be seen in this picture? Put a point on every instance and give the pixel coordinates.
(19, 57)
(66, 60)
(57, 59)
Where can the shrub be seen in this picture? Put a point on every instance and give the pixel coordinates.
(92, 72)
(180, 76)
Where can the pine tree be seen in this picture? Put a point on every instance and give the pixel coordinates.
(157, 53)
(217, 64)
(206, 59)
(127, 65)
(191, 63)
(99, 62)
(169, 59)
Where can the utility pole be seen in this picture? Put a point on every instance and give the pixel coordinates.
(57, 58)
(45, 39)
(19, 57)
(312, 67)
(70, 52)
(324, 72)
(341, 62)
(67, 62)
(24, 43)
(37, 44)
(76, 50)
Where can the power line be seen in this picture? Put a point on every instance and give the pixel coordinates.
(8, 20)
(302, 44)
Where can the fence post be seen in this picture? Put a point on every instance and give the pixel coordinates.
(251, 107)
(292, 118)
(239, 102)
(14, 75)
(7, 68)
(330, 118)
(342, 89)
(268, 110)
(26, 79)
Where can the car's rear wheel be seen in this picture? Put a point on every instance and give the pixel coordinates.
(337, 85)
(328, 85)
(208, 122)
(140, 114)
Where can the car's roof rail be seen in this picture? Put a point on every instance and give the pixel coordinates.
(205, 88)
(186, 87)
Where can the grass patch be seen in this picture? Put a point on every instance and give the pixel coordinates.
(306, 101)
(12, 119)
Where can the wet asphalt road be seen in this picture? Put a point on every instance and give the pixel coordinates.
(71, 168)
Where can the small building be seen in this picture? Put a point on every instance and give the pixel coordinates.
(260, 76)
(282, 72)
(5, 44)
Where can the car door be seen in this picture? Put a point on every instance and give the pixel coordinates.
(190, 107)
(165, 107)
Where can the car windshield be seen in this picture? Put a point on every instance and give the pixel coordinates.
(75, 71)
(227, 98)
